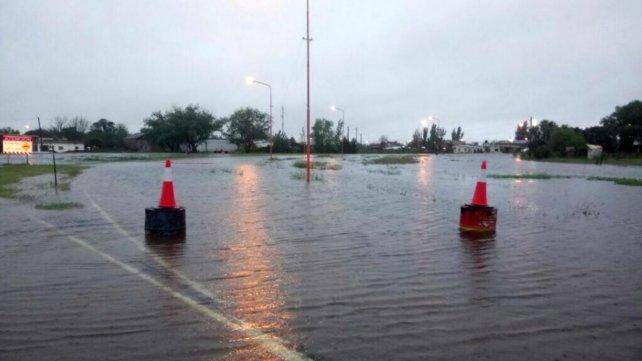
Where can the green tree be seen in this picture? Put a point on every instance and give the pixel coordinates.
(457, 134)
(281, 143)
(564, 137)
(181, 128)
(246, 126)
(106, 135)
(75, 129)
(625, 125)
(9, 130)
(326, 138)
(436, 140)
(600, 135)
(521, 132)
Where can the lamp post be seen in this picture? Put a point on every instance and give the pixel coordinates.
(307, 39)
(335, 108)
(250, 80)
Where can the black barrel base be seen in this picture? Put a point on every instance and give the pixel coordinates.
(165, 224)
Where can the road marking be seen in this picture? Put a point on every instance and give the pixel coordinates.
(271, 343)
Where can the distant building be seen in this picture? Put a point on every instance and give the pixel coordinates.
(61, 145)
(138, 143)
(217, 146)
(593, 151)
(509, 146)
(463, 148)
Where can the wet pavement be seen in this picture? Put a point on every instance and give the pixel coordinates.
(366, 263)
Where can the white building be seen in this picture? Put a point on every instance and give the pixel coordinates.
(467, 148)
(593, 151)
(217, 146)
(62, 146)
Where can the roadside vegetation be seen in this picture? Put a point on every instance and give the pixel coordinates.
(544, 176)
(317, 164)
(621, 181)
(392, 159)
(12, 174)
(61, 206)
(529, 176)
(301, 176)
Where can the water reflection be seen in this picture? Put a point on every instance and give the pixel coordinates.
(254, 275)
(478, 252)
(424, 170)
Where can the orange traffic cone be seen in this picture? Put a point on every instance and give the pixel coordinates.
(167, 221)
(167, 191)
(478, 216)
(479, 197)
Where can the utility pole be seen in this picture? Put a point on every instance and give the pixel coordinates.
(307, 43)
(40, 132)
(356, 135)
(282, 119)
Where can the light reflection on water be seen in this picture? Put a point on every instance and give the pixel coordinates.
(362, 265)
(254, 267)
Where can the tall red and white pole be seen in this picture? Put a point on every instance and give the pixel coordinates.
(307, 141)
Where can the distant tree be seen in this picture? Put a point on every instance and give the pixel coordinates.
(416, 140)
(9, 130)
(181, 128)
(281, 143)
(383, 141)
(624, 126)
(564, 137)
(246, 126)
(424, 137)
(436, 139)
(106, 135)
(521, 133)
(601, 136)
(457, 134)
(326, 139)
(75, 128)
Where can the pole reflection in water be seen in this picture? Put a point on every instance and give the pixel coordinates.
(478, 253)
(253, 274)
(424, 172)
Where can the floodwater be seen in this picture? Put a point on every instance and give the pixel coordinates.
(366, 263)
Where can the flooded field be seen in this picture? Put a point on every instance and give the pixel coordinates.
(364, 263)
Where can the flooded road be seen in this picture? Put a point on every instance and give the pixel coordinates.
(365, 263)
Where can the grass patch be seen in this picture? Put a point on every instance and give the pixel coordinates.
(612, 160)
(621, 181)
(301, 176)
(58, 206)
(12, 173)
(392, 159)
(317, 164)
(388, 171)
(529, 176)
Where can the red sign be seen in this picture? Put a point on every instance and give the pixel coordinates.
(16, 138)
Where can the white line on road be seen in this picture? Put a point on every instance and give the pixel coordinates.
(273, 344)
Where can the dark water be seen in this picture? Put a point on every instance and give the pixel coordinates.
(366, 264)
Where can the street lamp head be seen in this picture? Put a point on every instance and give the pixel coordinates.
(333, 108)
(424, 122)
(27, 127)
(249, 80)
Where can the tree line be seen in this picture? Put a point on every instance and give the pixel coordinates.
(100, 135)
(619, 132)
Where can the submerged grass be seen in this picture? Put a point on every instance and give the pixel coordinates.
(61, 206)
(301, 176)
(13, 173)
(317, 164)
(392, 159)
(530, 176)
(388, 171)
(612, 160)
(621, 181)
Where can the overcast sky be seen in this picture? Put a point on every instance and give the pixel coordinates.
(483, 65)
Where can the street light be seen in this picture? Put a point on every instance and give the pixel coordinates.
(335, 108)
(249, 80)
